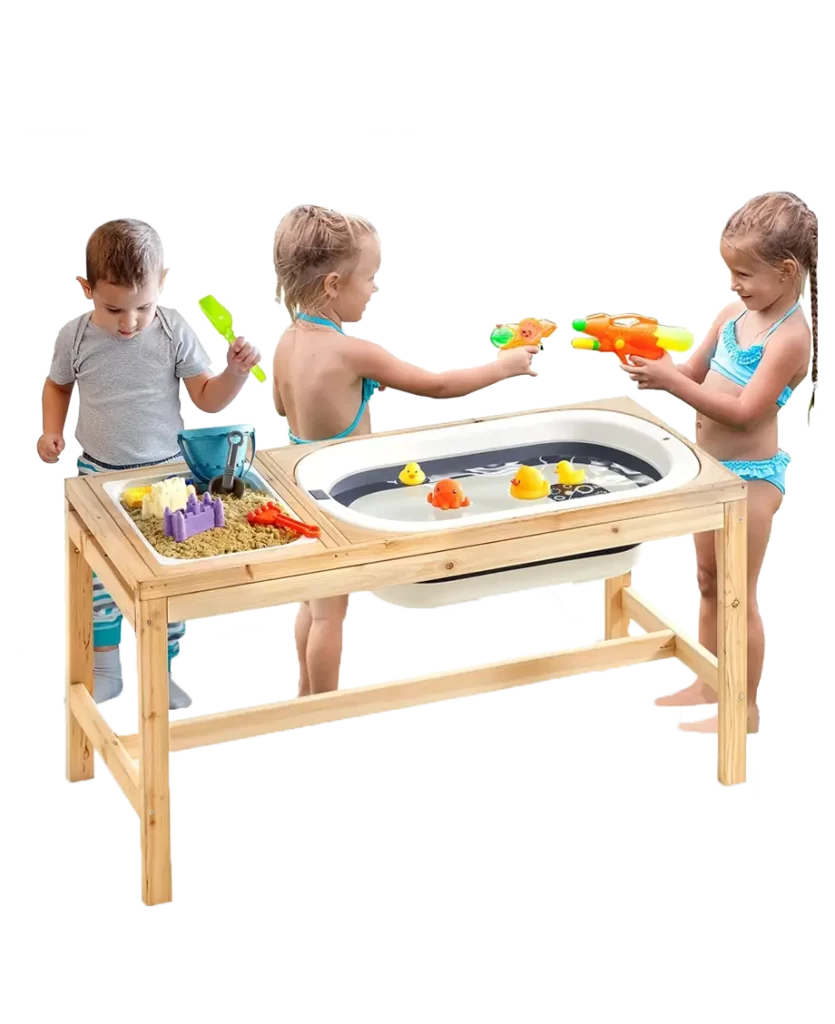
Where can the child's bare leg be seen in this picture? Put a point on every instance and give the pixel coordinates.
(324, 643)
(763, 501)
(303, 622)
(699, 692)
(756, 656)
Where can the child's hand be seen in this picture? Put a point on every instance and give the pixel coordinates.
(242, 357)
(651, 374)
(50, 447)
(518, 361)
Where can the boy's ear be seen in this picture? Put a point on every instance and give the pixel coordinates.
(85, 285)
(162, 278)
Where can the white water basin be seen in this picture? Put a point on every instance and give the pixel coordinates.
(623, 456)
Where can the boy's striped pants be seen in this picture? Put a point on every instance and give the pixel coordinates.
(107, 619)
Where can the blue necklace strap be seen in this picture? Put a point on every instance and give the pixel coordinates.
(319, 320)
(784, 317)
(777, 323)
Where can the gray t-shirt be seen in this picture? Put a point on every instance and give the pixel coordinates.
(129, 388)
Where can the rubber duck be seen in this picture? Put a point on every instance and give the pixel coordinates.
(529, 484)
(447, 495)
(567, 474)
(411, 474)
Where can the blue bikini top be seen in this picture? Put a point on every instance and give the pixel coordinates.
(738, 364)
(368, 388)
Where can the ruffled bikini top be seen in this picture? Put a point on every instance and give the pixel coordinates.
(738, 364)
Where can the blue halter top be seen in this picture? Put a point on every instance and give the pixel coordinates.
(368, 388)
(738, 364)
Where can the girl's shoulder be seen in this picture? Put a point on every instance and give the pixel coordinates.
(357, 344)
(730, 312)
(353, 339)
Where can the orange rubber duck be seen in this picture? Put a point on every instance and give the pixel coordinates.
(447, 495)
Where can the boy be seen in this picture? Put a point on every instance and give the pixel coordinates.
(128, 357)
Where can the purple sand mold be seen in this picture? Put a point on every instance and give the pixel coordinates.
(197, 518)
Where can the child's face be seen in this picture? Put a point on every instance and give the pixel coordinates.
(354, 291)
(123, 310)
(758, 284)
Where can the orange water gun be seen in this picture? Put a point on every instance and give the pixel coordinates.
(529, 331)
(630, 334)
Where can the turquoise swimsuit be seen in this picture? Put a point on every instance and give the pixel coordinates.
(368, 388)
(738, 364)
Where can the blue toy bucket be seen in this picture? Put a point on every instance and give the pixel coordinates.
(207, 449)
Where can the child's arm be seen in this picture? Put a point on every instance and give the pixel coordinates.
(698, 364)
(210, 393)
(56, 404)
(373, 361)
(57, 392)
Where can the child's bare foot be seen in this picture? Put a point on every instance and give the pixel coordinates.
(696, 693)
(711, 725)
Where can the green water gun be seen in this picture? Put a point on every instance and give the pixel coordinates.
(221, 319)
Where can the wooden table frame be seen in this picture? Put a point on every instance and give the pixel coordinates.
(346, 560)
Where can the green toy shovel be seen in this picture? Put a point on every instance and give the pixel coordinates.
(221, 319)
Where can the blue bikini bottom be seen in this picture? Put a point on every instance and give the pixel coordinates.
(772, 470)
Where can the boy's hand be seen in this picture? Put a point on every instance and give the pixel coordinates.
(242, 357)
(50, 447)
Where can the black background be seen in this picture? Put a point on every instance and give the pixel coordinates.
(551, 778)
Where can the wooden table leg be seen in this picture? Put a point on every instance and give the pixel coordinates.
(617, 618)
(732, 641)
(155, 821)
(79, 657)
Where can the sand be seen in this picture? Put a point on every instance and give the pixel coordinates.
(237, 535)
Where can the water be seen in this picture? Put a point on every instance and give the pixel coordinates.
(488, 488)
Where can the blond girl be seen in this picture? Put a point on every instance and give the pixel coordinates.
(325, 377)
(755, 354)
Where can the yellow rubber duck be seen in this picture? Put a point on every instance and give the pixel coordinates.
(529, 484)
(411, 474)
(567, 474)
